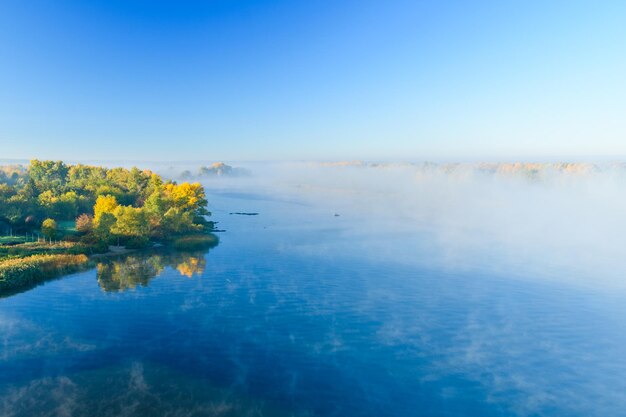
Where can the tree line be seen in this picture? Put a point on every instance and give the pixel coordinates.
(130, 206)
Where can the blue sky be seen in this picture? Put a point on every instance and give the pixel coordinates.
(157, 80)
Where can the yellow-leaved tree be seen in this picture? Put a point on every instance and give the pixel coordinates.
(187, 196)
(104, 204)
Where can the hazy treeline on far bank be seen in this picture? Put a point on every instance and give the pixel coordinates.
(217, 169)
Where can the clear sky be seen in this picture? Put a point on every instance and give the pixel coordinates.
(314, 79)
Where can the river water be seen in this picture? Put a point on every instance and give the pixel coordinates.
(304, 311)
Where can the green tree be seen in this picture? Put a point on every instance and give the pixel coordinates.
(49, 228)
(155, 207)
(48, 175)
(102, 229)
(176, 220)
(47, 200)
(130, 221)
(68, 205)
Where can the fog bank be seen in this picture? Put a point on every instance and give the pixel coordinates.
(562, 221)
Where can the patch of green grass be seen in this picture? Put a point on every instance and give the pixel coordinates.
(67, 227)
(11, 240)
(38, 248)
(196, 242)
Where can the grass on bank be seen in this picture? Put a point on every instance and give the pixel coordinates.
(30, 270)
(42, 248)
(200, 241)
(12, 240)
(30, 263)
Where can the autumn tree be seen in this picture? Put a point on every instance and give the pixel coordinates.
(104, 204)
(84, 223)
(49, 228)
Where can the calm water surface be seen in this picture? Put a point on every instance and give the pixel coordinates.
(294, 314)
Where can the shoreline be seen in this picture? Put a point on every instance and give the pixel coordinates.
(23, 273)
(119, 250)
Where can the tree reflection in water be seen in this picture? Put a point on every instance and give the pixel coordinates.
(128, 272)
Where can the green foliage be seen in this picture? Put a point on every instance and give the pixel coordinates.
(40, 248)
(91, 207)
(48, 175)
(94, 244)
(137, 242)
(130, 221)
(11, 240)
(177, 221)
(64, 206)
(125, 203)
(102, 230)
(196, 242)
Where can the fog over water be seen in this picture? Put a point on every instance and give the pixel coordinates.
(561, 224)
(354, 290)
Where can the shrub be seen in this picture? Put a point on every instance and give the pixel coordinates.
(84, 223)
(137, 242)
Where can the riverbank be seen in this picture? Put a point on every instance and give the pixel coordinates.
(31, 270)
(30, 264)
